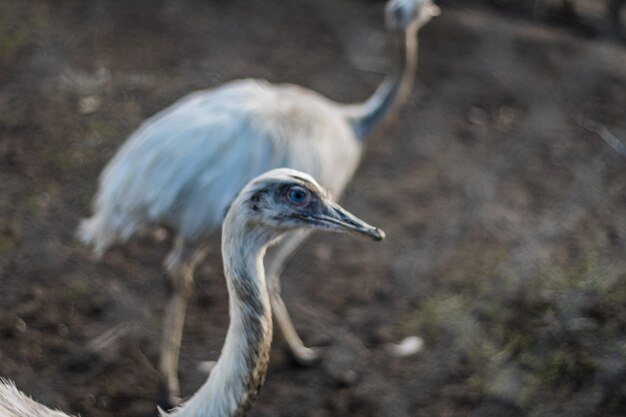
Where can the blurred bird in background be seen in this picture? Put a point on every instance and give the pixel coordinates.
(182, 168)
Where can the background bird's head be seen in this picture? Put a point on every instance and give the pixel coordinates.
(403, 14)
(284, 199)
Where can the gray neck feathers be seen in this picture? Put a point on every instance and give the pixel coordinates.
(235, 380)
(393, 91)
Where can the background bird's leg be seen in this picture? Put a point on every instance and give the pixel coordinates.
(276, 260)
(180, 265)
(172, 336)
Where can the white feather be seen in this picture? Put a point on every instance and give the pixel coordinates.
(14, 403)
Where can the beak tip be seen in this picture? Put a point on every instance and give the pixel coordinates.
(379, 235)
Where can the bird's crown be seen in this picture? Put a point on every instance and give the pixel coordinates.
(401, 14)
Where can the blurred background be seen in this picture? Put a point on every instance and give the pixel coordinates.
(502, 189)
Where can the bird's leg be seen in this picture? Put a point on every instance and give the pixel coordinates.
(182, 281)
(277, 259)
(180, 264)
(305, 356)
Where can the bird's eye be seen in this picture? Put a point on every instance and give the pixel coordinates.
(299, 196)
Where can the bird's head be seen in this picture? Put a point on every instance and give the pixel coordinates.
(285, 199)
(401, 15)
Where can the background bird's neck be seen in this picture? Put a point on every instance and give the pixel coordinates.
(235, 380)
(393, 92)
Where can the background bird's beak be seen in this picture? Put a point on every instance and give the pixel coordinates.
(337, 218)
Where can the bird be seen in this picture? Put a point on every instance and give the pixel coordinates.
(269, 206)
(183, 166)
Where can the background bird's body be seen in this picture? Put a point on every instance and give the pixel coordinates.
(184, 165)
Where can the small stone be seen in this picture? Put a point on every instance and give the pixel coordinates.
(507, 115)
(477, 116)
(409, 346)
(89, 104)
(206, 366)
(20, 325)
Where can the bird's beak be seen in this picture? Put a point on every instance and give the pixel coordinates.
(336, 218)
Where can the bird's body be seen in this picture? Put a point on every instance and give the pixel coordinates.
(272, 204)
(184, 165)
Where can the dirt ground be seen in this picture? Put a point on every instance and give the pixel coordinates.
(505, 216)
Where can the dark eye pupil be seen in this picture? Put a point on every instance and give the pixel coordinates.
(298, 196)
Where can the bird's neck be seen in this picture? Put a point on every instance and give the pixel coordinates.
(235, 380)
(393, 92)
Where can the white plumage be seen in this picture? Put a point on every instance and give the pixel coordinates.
(14, 403)
(184, 165)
